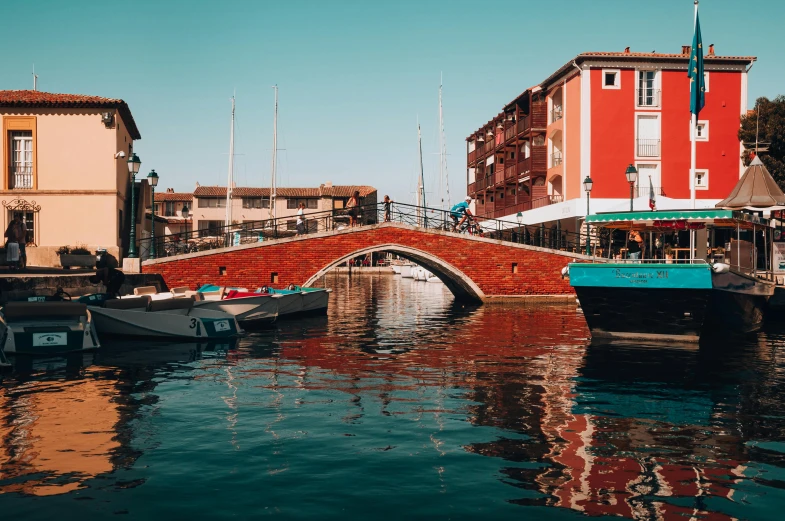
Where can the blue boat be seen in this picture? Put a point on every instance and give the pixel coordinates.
(661, 298)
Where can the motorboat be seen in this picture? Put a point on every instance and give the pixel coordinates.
(433, 279)
(299, 301)
(396, 269)
(141, 316)
(406, 271)
(44, 328)
(251, 309)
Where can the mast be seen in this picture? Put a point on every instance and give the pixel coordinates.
(420, 182)
(230, 179)
(275, 152)
(443, 174)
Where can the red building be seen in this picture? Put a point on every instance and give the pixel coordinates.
(596, 115)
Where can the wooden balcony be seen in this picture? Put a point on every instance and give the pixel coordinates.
(513, 131)
(539, 158)
(524, 166)
(498, 177)
(539, 115)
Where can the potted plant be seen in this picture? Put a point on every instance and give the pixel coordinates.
(668, 254)
(78, 256)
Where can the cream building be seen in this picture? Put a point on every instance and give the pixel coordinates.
(64, 163)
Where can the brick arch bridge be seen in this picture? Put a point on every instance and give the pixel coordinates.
(473, 268)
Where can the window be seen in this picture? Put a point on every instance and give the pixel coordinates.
(611, 79)
(169, 208)
(702, 131)
(647, 135)
(256, 202)
(212, 202)
(210, 228)
(21, 160)
(27, 217)
(157, 208)
(705, 82)
(647, 95)
(701, 179)
(310, 204)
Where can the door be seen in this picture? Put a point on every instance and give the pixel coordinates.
(648, 136)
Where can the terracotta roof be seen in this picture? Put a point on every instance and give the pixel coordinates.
(173, 196)
(36, 98)
(323, 191)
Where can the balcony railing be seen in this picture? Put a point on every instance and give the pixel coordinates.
(556, 159)
(556, 114)
(22, 177)
(647, 98)
(644, 191)
(648, 147)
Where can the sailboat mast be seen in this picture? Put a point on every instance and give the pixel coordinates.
(421, 182)
(275, 153)
(443, 174)
(230, 180)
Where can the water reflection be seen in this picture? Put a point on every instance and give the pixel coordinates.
(493, 409)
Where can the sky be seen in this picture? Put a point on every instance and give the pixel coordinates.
(355, 76)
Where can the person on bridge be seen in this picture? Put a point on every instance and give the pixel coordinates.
(387, 208)
(301, 219)
(460, 211)
(353, 208)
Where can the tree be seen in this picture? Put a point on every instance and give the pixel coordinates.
(771, 130)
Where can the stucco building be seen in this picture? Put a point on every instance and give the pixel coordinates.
(65, 172)
(594, 116)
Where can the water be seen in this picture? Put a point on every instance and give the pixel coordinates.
(399, 404)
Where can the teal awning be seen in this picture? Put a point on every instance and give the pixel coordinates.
(706, 215)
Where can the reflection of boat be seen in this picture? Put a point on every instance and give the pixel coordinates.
(661, 300)
(168, 318)
(41, 328)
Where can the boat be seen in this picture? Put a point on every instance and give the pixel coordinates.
(300, 301)
(406, 271)
(141, 316)
(666, 299)
(396, 269)
(433, 279)
(44, 328)
(252, 310)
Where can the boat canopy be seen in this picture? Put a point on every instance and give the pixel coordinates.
(673, 219)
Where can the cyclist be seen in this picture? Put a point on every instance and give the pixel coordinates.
(460, 210)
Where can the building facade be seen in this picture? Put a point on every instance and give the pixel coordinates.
(207, 205)
(65, 172)
(596, 115)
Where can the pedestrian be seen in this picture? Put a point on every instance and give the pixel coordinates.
(387, 208)
(12, 244)
(112, 278)
(22, 243)
(635, 245)
(353, 208)
(301, 219)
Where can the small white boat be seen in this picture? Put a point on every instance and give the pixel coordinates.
(406, 271)
(433, 279)
(163, 318)
(43, 328)
(396, 269)
(302, 301)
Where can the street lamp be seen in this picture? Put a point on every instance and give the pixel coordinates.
(152, 178)
(632, 178)
(587, 184)
(133, 168)
(184, 212)
(519, 217)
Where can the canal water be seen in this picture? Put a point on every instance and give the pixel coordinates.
(399, 404)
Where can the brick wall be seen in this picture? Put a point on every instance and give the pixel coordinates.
(487, 262)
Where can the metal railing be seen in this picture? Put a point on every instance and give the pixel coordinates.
(556, 159)
(22, 177)
(428, 218)
(556, 114)
(647, 98)
(648, 147)
(643, 191)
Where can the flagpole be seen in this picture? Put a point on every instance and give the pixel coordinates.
(693, 151)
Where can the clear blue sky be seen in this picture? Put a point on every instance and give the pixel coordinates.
(353, 74)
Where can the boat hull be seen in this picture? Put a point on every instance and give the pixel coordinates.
(42, 334)
(196, 324)
(256, 310)
(668, 302)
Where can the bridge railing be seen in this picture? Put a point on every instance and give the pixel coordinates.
(249, 232)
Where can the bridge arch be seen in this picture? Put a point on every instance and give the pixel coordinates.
(459, 284)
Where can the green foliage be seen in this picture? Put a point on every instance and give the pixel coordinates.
(772, 130)
(76, 250)
(63, 250)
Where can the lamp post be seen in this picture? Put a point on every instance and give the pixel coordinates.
(152, 178)
(632, 177)
(133, 168)
(519, 217)
(184, 212)
(587, 184)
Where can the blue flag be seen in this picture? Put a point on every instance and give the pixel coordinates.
(695, 72)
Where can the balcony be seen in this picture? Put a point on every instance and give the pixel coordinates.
(643, 191)
(556, 114)
(647, 98)
(556, 159)
(648, 147)
(21, 177)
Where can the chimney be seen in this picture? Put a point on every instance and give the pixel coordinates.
(685, 49)
(328, 184)
(626, 50)
(197, 184)
(170, 190)
(711, 49)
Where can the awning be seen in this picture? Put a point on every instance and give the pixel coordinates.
(706, 215)
(756, 189)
